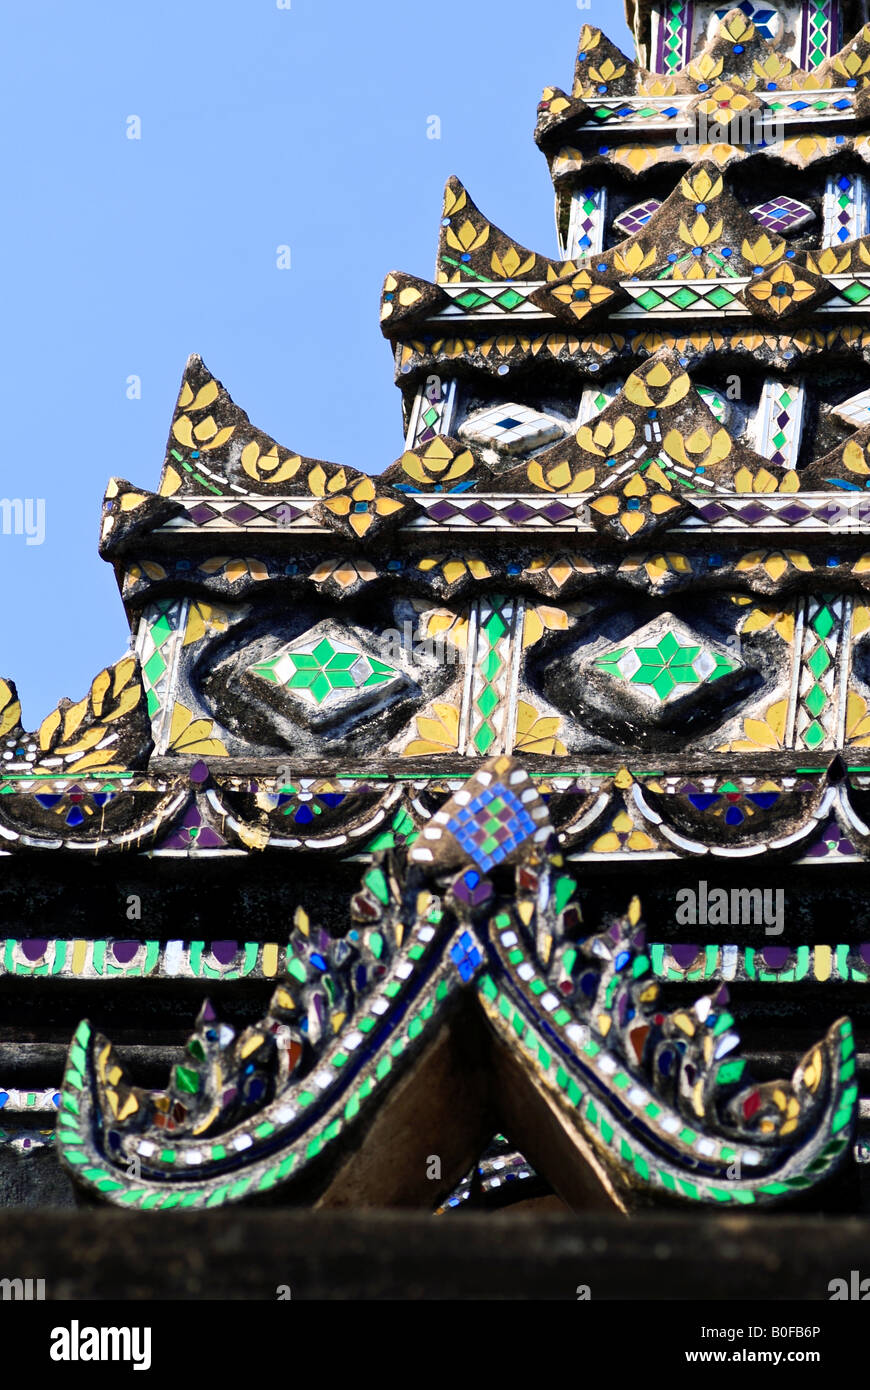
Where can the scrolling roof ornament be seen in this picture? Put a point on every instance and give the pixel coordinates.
(657, 1100)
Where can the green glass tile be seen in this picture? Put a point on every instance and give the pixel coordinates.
(377, 883)
(487, 701)
(856, 294)
(685, 298)
(650, 299)
(484, 738)
(510, 299)
(819, 662)
(495, 627)
(472, 299)
(815, 700)
(720, 297)
(823, 623)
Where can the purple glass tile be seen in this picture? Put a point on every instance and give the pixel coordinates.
(34, 948)
(795, 511)
(284, 514)
(242, 513)
(479, 512)
(831, 511)
(864, 950)
(199, 773)
(202, 513)
(685, 956)
(443, 511)
(518, 513)
(224, 951)
(713, 511)
(209, 839)
(754, 512)
(124, 951)
(557, 511)
(775, 957)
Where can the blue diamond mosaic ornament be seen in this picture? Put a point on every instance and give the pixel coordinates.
(488, 822)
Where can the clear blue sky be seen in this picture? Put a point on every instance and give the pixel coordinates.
(260, 127)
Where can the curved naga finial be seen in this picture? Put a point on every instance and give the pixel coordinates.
(659, 1101)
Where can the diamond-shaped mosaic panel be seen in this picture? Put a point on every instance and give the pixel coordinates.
(491, 826)
(321, 672)
(513, 429)
(783, 214)
(667, 662)
(635, 218)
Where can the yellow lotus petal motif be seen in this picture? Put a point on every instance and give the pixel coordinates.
(454, 202)
(634, 259)
(468, 238)
(762, 252)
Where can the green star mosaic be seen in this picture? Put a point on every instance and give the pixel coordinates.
(666, 666)
(320, 670)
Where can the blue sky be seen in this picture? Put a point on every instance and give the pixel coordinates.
(260, 127)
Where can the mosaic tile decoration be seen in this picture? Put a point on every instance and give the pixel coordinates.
(845, 209)
(820, 699)
(674, 37)
(512, 428)
(635, 218)
(597, 398)
(643, 497)
(767, 19)
(491, 826)
(820, 32)
(783, 214)
(666, 666)
(772, 964)
(855, 411)
(159, 636)
(319, 671)
(779, 421)
(484, 726)
(432, 413)
(587, 222)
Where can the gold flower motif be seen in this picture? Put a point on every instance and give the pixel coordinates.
(781, 289)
